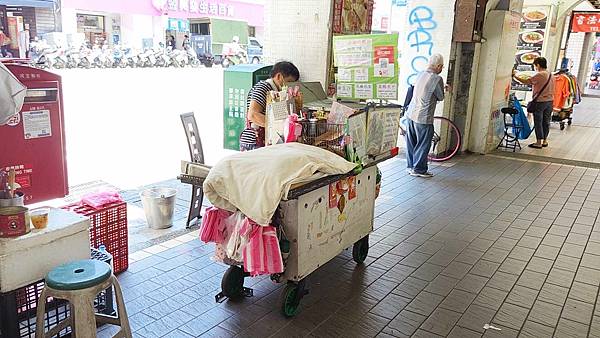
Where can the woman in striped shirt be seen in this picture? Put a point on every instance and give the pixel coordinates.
(254, 135)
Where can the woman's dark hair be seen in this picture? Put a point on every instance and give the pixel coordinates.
(542, 62)
(286, 69)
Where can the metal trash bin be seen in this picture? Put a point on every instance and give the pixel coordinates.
(159, 206)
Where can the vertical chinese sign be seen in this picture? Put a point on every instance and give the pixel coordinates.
(367, 66)
(534, 27)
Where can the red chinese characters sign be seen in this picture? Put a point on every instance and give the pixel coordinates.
(585, 22)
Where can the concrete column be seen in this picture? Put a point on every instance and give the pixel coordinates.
(493, 79)
(586, 56)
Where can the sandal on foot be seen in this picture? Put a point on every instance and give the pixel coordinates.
(533, 145)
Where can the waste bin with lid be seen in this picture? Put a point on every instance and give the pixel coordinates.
(159, 206)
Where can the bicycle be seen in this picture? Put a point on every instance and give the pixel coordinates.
(447, 138)
(446, 141)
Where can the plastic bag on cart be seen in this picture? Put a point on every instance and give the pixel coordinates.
(213, 225)
(262, 255)
(12, 94)
(240, 229)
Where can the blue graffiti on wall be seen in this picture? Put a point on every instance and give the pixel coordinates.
(420, 39)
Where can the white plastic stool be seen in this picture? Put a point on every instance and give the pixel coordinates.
(79, 283)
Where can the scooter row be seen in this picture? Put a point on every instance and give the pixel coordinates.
(117, 57)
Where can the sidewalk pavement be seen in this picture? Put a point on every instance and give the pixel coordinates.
(488, 240)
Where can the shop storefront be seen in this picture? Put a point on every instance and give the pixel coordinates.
(146, 23)
(24, 20)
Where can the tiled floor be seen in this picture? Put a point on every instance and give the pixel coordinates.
(579, 142)
(141, 235)
(488, 240)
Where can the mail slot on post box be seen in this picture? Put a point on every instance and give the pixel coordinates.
(33, 141)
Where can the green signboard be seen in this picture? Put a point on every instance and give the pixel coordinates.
(367, 66)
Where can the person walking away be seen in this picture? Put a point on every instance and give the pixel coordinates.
(428, 91)
(543, 97)
(186, 42)
(171, 42)
(254, 135)
(4, 42)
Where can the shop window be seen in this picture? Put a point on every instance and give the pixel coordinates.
(200, 28)
(252, 31)
(90, 23)
(93, 28)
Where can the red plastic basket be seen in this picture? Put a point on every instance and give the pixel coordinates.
(108, 227)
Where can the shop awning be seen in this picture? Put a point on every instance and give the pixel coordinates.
(29, 3)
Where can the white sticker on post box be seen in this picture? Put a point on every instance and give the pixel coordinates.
(36, 124)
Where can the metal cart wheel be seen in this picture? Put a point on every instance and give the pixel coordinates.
(360, 250)
(291, 295)
(232, 284)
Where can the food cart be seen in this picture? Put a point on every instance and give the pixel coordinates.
(317, 220)
(320, 219)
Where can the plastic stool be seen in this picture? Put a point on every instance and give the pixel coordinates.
(79, 283)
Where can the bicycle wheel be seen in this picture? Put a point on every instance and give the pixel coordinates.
(446, 140)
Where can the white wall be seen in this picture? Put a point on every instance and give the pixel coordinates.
(135, 28)
(430, 33)
(69, 20)
(260, 34)
(298, 31)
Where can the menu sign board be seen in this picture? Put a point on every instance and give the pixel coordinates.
(367, 66)
(530, 45)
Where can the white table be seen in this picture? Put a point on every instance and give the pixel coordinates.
(28, 258)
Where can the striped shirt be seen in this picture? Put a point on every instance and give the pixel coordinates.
(259, 94)
(429, 90)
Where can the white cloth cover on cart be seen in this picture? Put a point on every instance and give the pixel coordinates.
(12, 94)
(254, 182)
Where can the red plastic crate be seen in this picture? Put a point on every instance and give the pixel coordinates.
(108, 227)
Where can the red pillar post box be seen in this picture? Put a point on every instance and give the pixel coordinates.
(33, 141)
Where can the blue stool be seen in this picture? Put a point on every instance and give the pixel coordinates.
(79, 283)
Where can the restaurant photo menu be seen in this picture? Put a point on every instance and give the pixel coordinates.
(531, 43)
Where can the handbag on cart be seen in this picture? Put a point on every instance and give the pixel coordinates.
(249, 136)
(531, 105)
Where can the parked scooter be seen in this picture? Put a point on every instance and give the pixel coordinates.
(178, 58)
(56, 59)
(72, 56)
(192, 59)
(85, 57)
(232, 60)
(206, 59)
